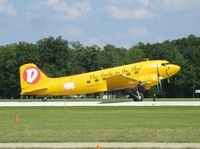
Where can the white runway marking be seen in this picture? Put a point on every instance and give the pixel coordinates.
(101, 144)
(99, 104)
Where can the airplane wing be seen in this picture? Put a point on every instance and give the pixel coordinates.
(120, 82)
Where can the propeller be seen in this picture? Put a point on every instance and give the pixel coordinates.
(168, 79)
(159, 80)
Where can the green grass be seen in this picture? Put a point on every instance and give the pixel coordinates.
(91, 124)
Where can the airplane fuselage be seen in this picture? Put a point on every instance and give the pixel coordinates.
(145, 73)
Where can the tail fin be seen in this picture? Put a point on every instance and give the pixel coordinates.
(31, 76)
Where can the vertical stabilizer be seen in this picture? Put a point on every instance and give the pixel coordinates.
(31, 76)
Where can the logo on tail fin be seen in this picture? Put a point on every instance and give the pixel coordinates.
(31, 75)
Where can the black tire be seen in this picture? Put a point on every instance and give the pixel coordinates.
(142, 97)
(135, 98)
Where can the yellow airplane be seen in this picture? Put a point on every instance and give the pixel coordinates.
(143, 75)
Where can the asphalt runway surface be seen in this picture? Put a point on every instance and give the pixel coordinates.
(101, 144)
(96, 103)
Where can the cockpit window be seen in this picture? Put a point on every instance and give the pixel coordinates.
(164, 64)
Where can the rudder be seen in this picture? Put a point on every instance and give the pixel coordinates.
(30, 76)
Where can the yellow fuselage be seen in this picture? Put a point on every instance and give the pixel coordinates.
(145, 72)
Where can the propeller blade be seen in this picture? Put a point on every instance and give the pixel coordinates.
(160, 84)
(168, 80)
(159, 80)
(158, 73)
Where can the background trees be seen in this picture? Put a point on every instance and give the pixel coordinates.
(57, 57)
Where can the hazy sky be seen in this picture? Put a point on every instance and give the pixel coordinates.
(120, 22)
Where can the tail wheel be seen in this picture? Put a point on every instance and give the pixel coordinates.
(44, 99)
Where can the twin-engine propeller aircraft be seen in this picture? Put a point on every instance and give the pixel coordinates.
(133, 76)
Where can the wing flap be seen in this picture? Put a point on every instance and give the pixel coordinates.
(120, 82)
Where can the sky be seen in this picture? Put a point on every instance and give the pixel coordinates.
(119, 22)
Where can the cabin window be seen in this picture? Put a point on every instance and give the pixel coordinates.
(104, 78)
(88, 82)
(136, 72)
(128, 74)
(96, 80)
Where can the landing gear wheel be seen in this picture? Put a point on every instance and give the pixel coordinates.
(44, 99)
(138, 97)
(141, 97)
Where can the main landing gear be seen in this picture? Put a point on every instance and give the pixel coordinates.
(137, 96)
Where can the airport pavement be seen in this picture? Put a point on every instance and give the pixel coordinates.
(71, 104)
(101, 144)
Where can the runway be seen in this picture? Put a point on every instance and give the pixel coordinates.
(99, 104)
(101, 144)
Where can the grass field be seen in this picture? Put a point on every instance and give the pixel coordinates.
(85, 124)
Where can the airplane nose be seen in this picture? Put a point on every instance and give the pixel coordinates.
(173, 69)
(177, 68)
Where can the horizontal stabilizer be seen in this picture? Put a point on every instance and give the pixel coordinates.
(32, 91)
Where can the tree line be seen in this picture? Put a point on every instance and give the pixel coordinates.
(58, 57)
